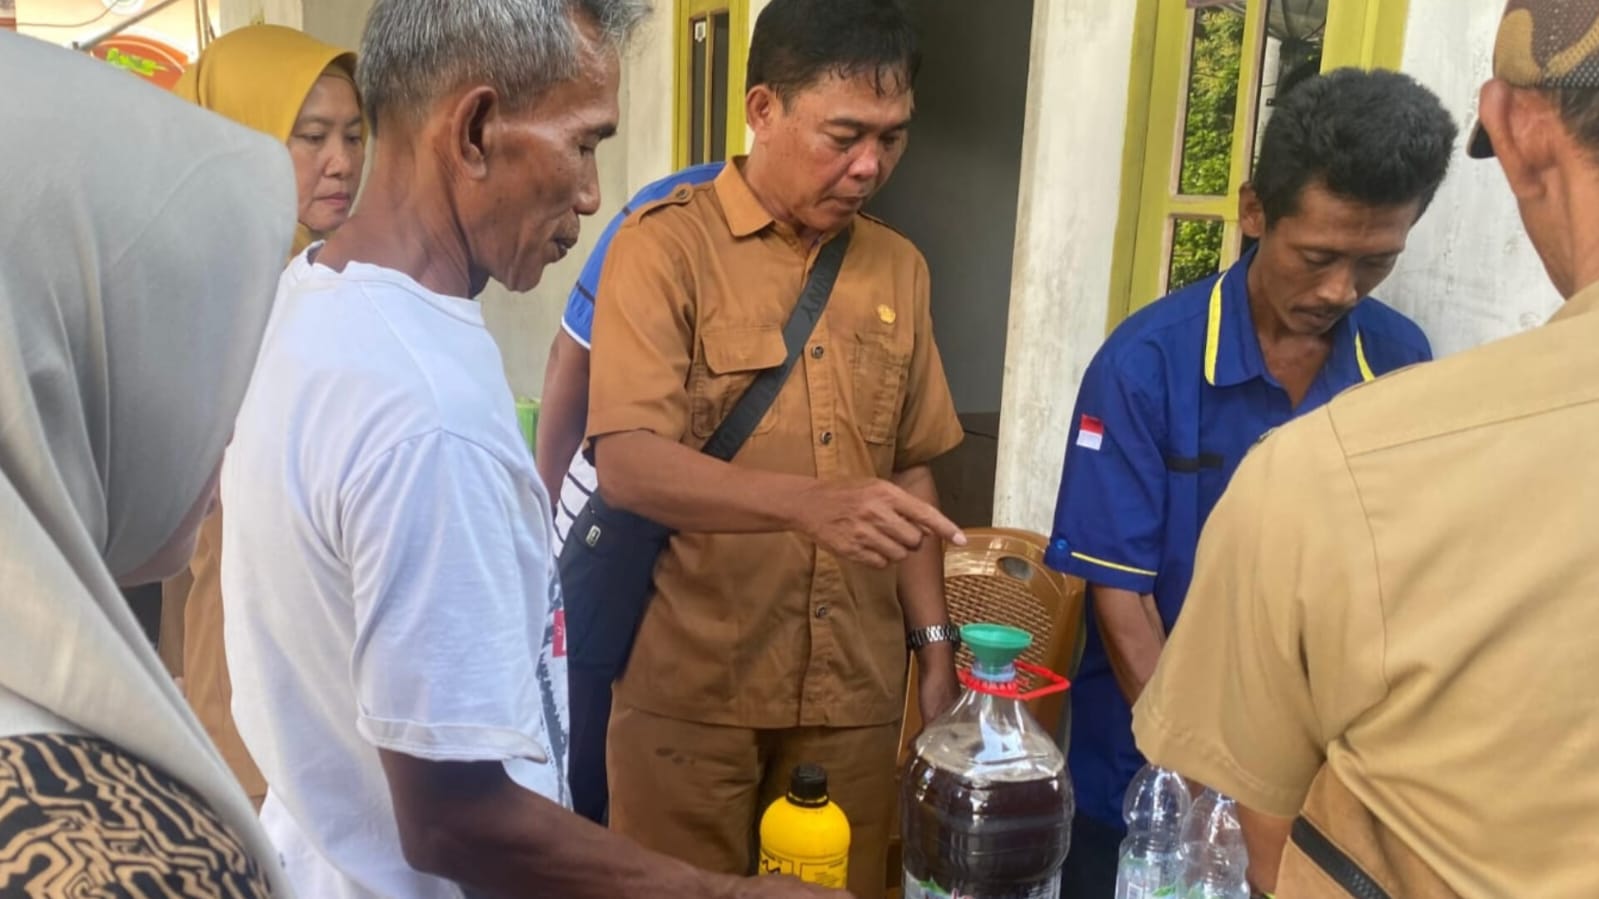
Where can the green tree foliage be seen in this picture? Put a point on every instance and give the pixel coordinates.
(1212, 101)
(1208, 138)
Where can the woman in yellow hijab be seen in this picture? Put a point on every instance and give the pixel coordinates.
(302, 92)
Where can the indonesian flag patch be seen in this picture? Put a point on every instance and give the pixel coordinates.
(1090, 433)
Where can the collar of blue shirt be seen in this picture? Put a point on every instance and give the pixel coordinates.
(1232, 349)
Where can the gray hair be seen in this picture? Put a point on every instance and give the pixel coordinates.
(413, 51)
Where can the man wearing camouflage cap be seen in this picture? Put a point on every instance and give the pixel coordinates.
(1411, 702)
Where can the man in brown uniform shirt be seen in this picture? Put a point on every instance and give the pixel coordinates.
(1387, 655)
(778, 634)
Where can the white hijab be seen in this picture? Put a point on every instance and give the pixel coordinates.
(141, 240)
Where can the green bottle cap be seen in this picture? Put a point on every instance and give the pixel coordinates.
(995, 647)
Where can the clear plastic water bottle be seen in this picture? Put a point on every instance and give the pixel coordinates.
(1151, 856)
(1215, 859)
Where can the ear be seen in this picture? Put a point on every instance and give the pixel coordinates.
(471, 117)
(1251, 214)
(762, 107)
(1523, 127)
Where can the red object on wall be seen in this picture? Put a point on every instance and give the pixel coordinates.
(145, 57)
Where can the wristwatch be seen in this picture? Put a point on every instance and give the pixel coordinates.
(938, 633)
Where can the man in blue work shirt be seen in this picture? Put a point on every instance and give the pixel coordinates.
(1183, 389)
(570, 479)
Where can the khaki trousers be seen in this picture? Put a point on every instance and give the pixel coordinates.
(696, 792)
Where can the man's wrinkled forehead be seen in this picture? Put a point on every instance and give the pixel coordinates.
(587, 103)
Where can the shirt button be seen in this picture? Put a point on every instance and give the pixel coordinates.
(821, 611)
(827, 438)
(817, 352)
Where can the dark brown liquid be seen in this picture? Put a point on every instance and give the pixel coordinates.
(1001, 841)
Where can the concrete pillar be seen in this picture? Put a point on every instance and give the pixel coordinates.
(1065, 232)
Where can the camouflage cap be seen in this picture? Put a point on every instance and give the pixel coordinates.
(1547, 44)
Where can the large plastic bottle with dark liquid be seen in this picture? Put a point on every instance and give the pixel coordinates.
(986, 804)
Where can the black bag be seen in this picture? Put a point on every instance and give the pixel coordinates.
(608, 562)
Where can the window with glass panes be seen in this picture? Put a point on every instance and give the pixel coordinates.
(1202, 93)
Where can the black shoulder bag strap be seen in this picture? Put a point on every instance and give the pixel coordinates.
(734, 430)
(609, 559)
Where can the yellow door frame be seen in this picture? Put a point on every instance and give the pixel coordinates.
(1369, 35)
(1163, 159)
(738, 52)
(1364, 33)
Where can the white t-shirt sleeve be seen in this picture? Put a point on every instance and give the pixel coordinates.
(447, 619)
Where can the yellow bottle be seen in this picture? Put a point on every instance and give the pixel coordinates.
(805, 835)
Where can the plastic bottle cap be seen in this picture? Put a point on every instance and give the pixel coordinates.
(995, 646)
(807, 786)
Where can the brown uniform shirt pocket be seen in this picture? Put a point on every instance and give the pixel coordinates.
(727, 363)
(879, 368)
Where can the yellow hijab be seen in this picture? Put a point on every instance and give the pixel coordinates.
(259, 76)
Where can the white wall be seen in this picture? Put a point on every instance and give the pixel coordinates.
(1070, 184)
(1470, 275)
(337, 22)
(646, 133)
(239, 13)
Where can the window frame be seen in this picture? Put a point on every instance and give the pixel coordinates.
(738, 43)
(1363, 33)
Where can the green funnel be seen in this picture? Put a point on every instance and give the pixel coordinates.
(995, 647)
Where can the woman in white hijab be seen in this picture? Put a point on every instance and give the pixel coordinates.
(142, 238)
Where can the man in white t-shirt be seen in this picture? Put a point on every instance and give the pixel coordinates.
(394, 626)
